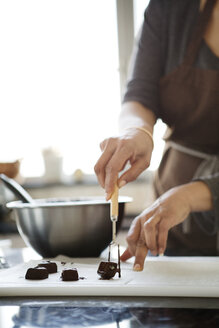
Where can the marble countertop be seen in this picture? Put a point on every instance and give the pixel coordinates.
(69, 314)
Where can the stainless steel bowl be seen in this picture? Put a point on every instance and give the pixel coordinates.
(74, 227)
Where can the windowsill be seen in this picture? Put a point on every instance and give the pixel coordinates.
(41, 182)
(140, 190)
(68, 181)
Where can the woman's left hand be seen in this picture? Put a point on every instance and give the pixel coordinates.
(149, 230)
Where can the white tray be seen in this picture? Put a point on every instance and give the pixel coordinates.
(192, 277)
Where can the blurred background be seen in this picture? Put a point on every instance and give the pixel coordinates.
(63, 67)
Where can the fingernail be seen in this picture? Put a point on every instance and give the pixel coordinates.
(107, 195)
(122, 183)
(137, 267)
(161, 252)
(153, 252)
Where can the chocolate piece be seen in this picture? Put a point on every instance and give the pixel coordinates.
(70, 275)
(107, 270)
(37, 273)
(50, 266)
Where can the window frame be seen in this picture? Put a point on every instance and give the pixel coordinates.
(125, 30)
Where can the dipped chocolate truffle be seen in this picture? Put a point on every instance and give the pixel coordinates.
(50, 266)
(107, 270)
(37, 273)
(69, 275)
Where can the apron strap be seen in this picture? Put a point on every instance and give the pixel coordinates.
(198, 33)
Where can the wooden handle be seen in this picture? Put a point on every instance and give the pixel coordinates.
(114, 208)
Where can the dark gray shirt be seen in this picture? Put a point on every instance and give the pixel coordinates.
(160, 48)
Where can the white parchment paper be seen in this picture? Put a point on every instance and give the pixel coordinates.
(194, 277)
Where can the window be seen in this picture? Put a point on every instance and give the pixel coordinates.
(59, 80)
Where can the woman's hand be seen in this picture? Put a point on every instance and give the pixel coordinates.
(134, 147)
(149, 230)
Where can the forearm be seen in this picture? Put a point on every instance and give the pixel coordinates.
(134, 114)
(198, 196)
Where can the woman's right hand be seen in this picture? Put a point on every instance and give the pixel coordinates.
(134, 147)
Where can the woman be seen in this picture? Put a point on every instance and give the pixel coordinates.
(175, 77)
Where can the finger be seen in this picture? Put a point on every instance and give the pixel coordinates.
(133, 235)
(162, 237)
(103, 144)
(113, 167)
(134, 171)
(126, 255)
(151, 232)
(110, 186)
(140, 255)
(100, 166)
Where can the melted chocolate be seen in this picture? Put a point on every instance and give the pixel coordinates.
(107, 270)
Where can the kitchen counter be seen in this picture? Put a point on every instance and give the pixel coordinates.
(101, 311)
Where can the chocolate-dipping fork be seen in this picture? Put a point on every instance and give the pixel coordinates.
(114, 212)
(107, 270)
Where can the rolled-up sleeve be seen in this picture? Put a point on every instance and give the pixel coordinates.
(209, 221)
(146, 65)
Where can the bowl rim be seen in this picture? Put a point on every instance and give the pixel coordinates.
(65, 202)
